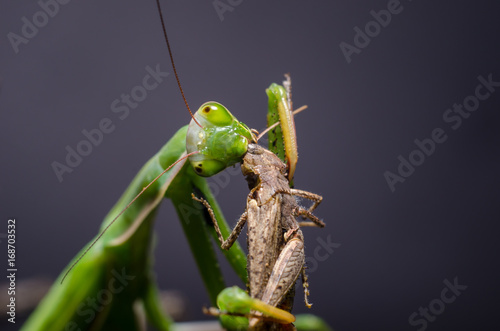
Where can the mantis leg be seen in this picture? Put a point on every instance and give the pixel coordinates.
(225, 244)
(257, 304)
(236, 307)
(282, 139)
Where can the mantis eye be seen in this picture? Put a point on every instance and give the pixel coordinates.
(207, 168)
(215, 114)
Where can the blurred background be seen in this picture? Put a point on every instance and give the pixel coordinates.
(386, 253)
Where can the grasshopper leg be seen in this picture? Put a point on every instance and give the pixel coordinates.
(305, 285)
(308, 195)
(316, 198)
(284, 275)
(299, 211)
(285, 272)
(225, 244)
(314, 221)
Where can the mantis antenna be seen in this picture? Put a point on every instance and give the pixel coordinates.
(123, 210)
(172, 61)
(154, 180)
(164, 171)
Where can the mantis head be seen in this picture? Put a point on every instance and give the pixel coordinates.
(220, 139)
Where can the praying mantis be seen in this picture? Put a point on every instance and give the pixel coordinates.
(117, 271)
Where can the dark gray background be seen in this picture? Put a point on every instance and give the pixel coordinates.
(396, 248)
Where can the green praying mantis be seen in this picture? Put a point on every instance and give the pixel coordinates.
(113, 285)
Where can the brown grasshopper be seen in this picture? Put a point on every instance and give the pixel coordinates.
(275, 241)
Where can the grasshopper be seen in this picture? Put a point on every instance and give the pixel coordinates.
(275, 241)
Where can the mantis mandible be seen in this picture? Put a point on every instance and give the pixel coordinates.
(122, 252)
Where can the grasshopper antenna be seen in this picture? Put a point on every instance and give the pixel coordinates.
(172, 61)
(123, 210)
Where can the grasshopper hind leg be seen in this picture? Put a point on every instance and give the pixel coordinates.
(305, 285)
